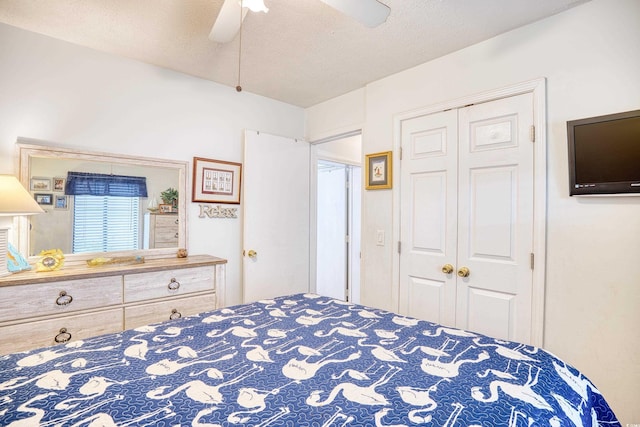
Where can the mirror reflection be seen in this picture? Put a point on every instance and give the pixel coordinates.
(99, 215)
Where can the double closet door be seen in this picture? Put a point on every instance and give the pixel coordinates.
(467, 191)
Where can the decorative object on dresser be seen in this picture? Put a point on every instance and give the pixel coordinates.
(165, 208)
(119, 260)
(78, 302)
(170, 197)
(153, 204)
(15, 200)
(216, 181)
(52, 259)
(15, 261)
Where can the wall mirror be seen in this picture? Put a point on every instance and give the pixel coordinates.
(43, 170)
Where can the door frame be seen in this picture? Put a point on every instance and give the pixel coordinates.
(538, 88)
(313, 195)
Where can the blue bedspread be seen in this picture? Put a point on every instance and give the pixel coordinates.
(301, 360)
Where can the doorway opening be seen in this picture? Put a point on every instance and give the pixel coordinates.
(336, 218)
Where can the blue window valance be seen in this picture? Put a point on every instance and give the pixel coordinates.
(97, 184)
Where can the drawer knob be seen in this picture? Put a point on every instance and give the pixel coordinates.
(173, 285)
(63, 336)
(64, 299)
(175, 314)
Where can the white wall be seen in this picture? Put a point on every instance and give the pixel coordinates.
(77, 97)
(590, 56)
(339, 115)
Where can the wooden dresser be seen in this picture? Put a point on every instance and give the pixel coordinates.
(160, 230)
(77, 302)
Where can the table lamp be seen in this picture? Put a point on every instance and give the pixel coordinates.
(14, 200)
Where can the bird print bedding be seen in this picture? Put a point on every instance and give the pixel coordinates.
(300, 360)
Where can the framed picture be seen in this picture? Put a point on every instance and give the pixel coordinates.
(165, 208)
(60, 202)
(216, 181)
(43, 199)
(378, 171)
(40, 184)
(58, 183)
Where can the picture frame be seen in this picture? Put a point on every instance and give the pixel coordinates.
(60, 201)
(58, 183)
(39, 183)
(44, 198)
(378, 171)
(164, 208)
(216, 181)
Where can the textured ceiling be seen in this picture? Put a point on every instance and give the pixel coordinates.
(302, 52)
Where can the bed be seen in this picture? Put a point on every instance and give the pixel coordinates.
(299, 360)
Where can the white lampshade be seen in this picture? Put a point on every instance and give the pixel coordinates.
(15, 199)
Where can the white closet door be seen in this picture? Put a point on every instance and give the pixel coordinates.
(467, 184)
(495, 211)
(276, 216)
(429, 217)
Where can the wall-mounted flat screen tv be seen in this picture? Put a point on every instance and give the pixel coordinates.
(604, 154)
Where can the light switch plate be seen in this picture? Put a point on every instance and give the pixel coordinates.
(380, 237)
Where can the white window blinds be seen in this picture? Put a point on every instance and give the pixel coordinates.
(105, 223)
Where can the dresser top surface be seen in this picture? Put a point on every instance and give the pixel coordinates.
(80, 271)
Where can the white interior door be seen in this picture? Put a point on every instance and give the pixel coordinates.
(428, 221)
(338, 212)
(467, 203)
(276, 216)
(355, 232)
(495, 211)
(331, 230)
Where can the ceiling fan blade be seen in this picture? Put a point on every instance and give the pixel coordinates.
(369, 13)
(228, 22)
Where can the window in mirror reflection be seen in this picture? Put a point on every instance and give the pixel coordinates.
(105, 223)
(106, 211)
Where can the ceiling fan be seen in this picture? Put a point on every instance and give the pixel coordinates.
(370, 13)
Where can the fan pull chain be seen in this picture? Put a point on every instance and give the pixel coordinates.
(238, 87)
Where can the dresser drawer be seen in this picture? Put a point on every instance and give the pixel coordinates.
(168, 221)
(160, 284)
(19, 302)
(139, 315)
(42, 333)
(167, 235)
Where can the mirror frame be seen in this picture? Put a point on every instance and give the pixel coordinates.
(27, 149)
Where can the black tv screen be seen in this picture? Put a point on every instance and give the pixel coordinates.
(604, 154)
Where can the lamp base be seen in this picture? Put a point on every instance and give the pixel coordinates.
(4, 247)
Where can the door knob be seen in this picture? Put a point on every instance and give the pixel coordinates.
(463, 272)
(447, 268)
(252, 253)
